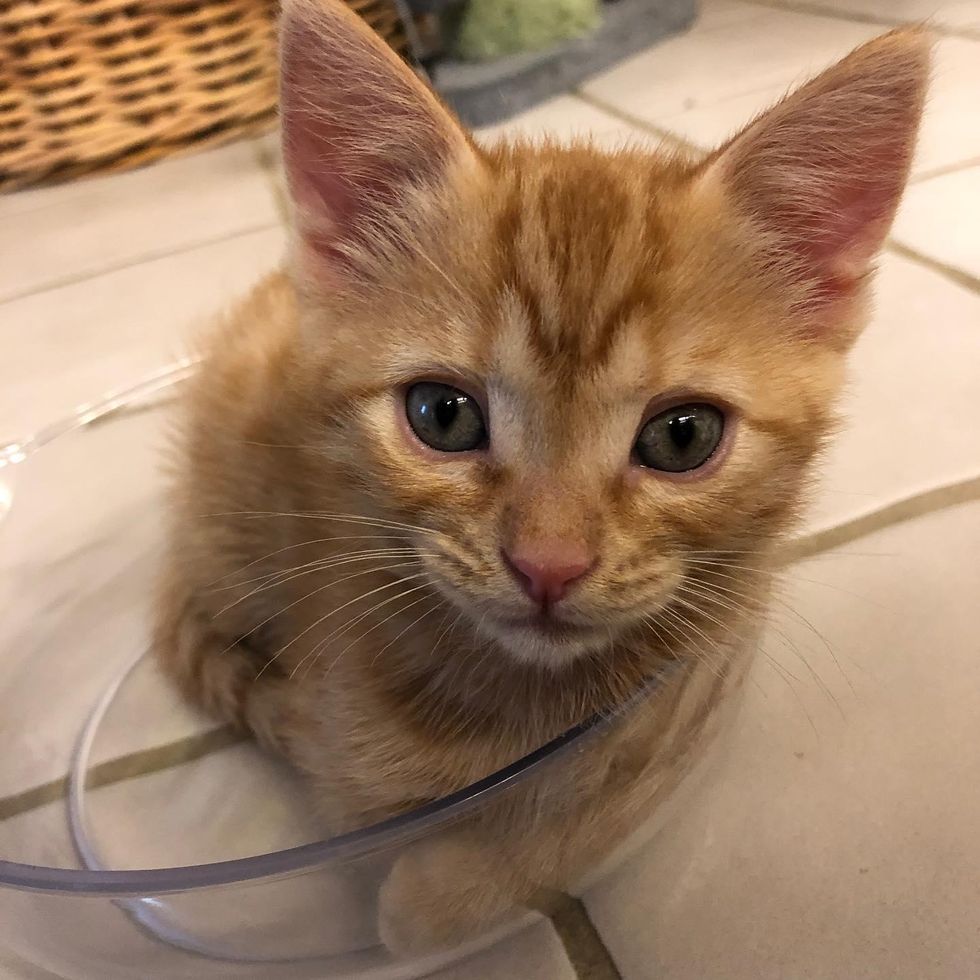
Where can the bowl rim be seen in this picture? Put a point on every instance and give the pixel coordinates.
(302, 858)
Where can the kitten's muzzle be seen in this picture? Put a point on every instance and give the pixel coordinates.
(546, 572)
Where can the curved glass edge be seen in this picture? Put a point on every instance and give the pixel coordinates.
(98, 883)
(305, 857)
(19, 450)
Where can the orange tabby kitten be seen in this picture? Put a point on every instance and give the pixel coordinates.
(517, 428)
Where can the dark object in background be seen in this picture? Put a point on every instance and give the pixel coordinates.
(488, 92)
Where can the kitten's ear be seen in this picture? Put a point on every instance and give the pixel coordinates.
(820, 175)
(362, 135)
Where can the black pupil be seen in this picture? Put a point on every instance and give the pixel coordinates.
(682, 429)
(446, 410)
(681, 438)
(444, 417)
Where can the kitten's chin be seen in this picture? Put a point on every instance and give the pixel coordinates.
(553, 648)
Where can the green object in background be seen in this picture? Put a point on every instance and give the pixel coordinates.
(496, 28)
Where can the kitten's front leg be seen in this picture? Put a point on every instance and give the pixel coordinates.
(214, 670)
(439, 893)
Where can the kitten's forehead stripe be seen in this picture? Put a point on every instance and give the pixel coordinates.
(578, 253)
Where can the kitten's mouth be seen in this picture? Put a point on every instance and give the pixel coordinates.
(547, 639)
(549, 625)
(534, 636)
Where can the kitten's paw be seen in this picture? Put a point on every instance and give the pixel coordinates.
(222, 675)
(438, 895)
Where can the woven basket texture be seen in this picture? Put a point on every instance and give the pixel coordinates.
(98, 85)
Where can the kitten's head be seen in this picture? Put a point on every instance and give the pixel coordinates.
(588, 372)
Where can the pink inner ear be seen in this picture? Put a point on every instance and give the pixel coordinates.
(834, 204)
(358, 130)
(822, 173)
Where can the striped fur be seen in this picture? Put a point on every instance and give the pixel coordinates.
(569, 290)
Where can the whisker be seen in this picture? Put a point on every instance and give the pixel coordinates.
(686, 639)
(786, 675)
(297, 571)
(357, 598)
(445, 627)
(711, 586)
(445, 634)
(710, 552)
(733, 632)
(702, 657)
(789, 643)
(277, 445)
(440, 602)
(322, 644)
(781, 573)
(326, 516)
(303, 598)
(307, 544)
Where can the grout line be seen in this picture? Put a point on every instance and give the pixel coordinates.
(584, 946)
(132, 263)
(583, 943)
(816, 9)
(269, 164)
(195, 746)
(951, 272)
(192, 747)
(958, 276)
(31, 799)
(637, 123)
(144, 762)
(262, 158)
(944, 171)
(898, 512)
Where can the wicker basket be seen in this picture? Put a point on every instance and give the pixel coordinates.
(98, 85)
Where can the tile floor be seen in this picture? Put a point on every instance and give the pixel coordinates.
(829, 844)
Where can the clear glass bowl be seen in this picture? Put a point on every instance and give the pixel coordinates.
(138, 838)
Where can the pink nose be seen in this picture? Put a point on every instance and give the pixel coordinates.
(546, 572)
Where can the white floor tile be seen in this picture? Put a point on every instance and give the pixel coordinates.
(951, 129)
(67, 345)
(914, 380)
(567, 118)
(534, 953)
(705, 86)
(705, 68)
(830, 846)
(940, 218)
(950, 13)
(90, 226)
(715, 14)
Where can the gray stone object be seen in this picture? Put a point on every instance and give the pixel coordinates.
(488, 92)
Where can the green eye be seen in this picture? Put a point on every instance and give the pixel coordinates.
(444, 417)
(681, 438)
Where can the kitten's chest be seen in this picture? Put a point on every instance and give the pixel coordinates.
(375, 762)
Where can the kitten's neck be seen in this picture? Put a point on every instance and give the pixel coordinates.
(473, 688)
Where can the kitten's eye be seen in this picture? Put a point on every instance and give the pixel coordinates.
(681, 438)
(444, 417)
